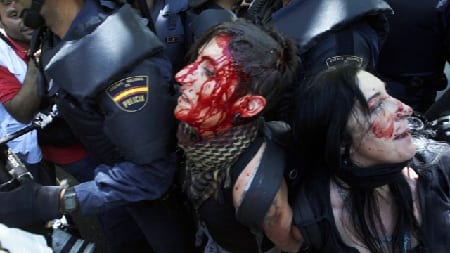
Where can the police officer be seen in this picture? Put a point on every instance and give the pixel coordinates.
(327, 33)
(123, 114)
(166, 18)
(413, 58)
(204, 14)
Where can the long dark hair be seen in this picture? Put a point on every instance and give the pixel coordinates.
(322, 136)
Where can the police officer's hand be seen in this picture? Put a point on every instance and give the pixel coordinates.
(441, 126)
(29, 204)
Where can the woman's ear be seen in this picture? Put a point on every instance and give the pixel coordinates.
(250, 105)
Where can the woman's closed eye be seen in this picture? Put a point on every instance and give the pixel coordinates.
(208, 72)
(376, 108)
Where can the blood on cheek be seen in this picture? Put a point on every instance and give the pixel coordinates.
(383, 125)
(214, 95)
(214, 99)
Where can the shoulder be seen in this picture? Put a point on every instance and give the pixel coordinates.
(245, 178)
(278, 132)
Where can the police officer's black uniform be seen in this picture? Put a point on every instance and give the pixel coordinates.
(413, 58)
(113, 85)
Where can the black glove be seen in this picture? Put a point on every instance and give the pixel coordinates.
(29, 204)
(441, 126)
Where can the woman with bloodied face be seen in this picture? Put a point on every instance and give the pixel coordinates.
(237, 72)
(367, 185)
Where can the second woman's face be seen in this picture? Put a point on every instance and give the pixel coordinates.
(384, 136)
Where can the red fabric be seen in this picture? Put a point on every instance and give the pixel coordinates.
(20, 51)
(64, 155)
(9, 85)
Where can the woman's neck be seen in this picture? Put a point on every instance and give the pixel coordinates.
(341, 205)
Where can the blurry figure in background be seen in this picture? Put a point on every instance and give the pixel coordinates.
(166, 18)
(20, 102)
(235, 160)
(204, 14)
(413, 58)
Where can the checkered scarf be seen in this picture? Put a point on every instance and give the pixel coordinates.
(208, 162)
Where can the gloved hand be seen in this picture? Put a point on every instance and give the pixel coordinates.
(441, 126)
(29, 204)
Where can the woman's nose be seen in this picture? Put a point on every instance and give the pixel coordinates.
(403, 110)
(185, 75)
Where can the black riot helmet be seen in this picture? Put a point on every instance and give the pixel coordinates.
(145, 11)
(31, 16)
(196, 3)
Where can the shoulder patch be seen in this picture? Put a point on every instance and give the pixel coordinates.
(339, 59)
(130, 94)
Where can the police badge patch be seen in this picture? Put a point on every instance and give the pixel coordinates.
(129, 94)
(345, 59)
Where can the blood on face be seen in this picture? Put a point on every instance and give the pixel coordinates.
(208, 86)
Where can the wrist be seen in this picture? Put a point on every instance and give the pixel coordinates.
(61, 200)
(68, 200)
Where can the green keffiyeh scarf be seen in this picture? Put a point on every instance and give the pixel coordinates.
(208, 161)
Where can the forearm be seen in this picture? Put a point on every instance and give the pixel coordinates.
(278, 223)
(280, 232)
(25, 104)
(124, 183)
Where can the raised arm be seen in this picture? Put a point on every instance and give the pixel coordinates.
(25, 104)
